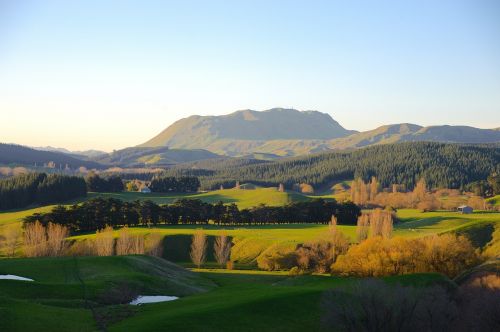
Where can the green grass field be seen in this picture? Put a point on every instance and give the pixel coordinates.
(244, 198)
(252, 241)
(65, 289)
(495, 200)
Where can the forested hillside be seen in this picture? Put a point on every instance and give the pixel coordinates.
(26, 189)
(442, 165)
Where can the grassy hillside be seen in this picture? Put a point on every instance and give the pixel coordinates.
(155, 156)
(65, 288)
(250, 301)
(252, 241)
(495, 200)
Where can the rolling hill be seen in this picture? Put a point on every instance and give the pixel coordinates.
(153, 156)
(282, 132)
(11, 154)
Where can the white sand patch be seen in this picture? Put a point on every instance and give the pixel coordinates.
(152, 299)
(13, 277)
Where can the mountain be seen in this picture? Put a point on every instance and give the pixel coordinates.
(155, 156)
(282, 132)
(248, 126)
(11, 154)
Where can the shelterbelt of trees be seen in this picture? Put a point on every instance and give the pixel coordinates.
(39, 188)
(98, 213)
(442, 165)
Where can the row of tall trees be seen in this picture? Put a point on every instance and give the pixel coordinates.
(39, 188)
(98, 212)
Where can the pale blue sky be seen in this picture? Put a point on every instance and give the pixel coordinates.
(111, 74)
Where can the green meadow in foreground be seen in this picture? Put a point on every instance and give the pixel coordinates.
(66, 288)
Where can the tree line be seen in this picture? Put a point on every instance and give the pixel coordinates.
(108, 184)
(39, 188)
(98, 213)
(442, 165)
(174, 184)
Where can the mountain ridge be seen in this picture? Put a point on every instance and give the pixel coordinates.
(286, 132)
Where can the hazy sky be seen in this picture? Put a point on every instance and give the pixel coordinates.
(111, 74)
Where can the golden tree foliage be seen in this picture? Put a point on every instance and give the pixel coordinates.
(447, 254)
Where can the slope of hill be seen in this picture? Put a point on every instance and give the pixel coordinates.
(155, 156)
(287, 132)
(22, 155)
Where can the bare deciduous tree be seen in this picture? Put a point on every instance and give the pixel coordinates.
(387, 225)
(35, 240)
(198, 247)
(104, 242)
(362, 227)
(56, 239)
(154, 244)
(222, 249)
(124, 242)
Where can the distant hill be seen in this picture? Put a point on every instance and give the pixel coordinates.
(22, 155)
(282, 132)
(156, 156)
(77, 154)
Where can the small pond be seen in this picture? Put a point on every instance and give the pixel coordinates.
(143, 299)
(13, 277)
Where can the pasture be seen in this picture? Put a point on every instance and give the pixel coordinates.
(80, 294)
(251, 241)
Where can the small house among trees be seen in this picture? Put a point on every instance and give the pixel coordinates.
(465, 209)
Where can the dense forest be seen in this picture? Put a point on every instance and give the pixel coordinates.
(97, 213)
(39, 188)
(442, 165)
(108, 184)
(174, 184)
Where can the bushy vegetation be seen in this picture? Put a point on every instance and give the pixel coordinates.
(442, 165)
(32, 188)
(374, 305)
(447, 254)
(97, 213)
